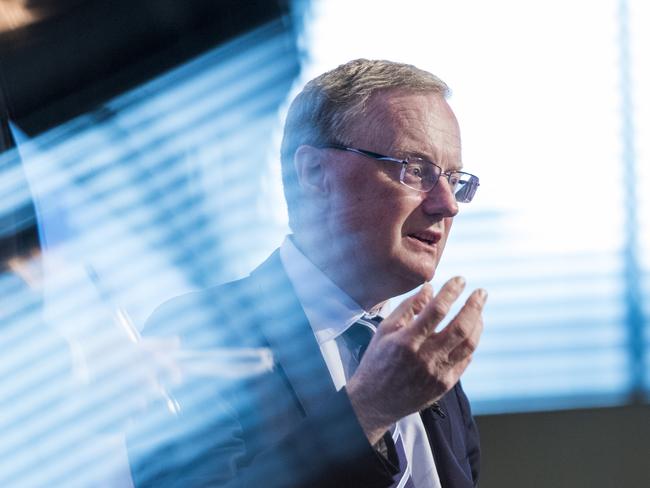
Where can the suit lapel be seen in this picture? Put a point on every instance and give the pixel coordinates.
(285, 327)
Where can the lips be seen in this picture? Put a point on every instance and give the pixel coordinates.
(427, 237)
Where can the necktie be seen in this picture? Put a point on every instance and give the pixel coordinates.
(356, 339)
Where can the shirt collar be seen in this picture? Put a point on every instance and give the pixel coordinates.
(329, 310)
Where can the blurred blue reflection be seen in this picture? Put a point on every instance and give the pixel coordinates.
(137, 202)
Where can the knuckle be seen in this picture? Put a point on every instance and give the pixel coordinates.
(460, 330)
(467, 347)
(420, 300)
(406, 349)
(439, 369)
(472, 341)
(450, 381)
(446, 383)
(471, 344)
(439, 309)
(412, 353)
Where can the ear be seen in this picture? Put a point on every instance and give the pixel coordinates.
(308, 162)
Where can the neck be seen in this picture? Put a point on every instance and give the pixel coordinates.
(330, 258)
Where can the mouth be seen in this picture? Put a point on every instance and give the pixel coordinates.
(428, 238)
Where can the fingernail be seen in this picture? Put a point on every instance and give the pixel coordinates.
(482, 294)
(460, 281)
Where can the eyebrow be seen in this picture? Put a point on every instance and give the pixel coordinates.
(454, 167)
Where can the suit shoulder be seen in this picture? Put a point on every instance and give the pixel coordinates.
(201, 317)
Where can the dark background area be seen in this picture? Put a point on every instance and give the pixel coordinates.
(586, 448)
(84, 52)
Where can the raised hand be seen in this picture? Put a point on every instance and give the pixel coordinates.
(408, 364)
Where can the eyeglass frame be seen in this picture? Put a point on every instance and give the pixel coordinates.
(473, 179)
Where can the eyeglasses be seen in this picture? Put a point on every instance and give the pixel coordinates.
(422, 175)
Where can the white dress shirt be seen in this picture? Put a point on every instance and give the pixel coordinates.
(330, 312)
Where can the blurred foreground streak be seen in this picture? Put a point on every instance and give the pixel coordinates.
(102, 219)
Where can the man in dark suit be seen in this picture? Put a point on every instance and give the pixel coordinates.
(373, 176)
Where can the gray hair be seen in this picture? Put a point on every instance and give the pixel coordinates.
(329, 105)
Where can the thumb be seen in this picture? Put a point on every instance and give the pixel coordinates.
(407, 310)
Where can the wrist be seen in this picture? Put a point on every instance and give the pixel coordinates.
(373, 422)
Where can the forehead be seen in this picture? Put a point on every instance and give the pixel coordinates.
(405, 122)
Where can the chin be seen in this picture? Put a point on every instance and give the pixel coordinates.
(412, 278)
(424, 268)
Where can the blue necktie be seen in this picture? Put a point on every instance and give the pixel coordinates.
(356, 339)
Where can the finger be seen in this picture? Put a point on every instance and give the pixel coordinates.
(405, 311)
(464, 331)
(467, 347)
(459, 368)
(436, 310)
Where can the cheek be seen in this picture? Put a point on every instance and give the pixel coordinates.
(372, 207)
(368, 207)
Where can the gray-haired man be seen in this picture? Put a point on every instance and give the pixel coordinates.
(372, 172)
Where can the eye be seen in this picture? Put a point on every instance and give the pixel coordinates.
(417, 169)
(454, 179)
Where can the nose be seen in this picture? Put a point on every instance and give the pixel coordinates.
(440, 201)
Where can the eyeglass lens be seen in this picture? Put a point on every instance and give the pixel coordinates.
(422, 176)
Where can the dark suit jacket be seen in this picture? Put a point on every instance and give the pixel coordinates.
(286, 428)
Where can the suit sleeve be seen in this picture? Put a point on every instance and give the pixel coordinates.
(472, 441)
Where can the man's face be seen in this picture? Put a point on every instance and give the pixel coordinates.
(389, 234)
